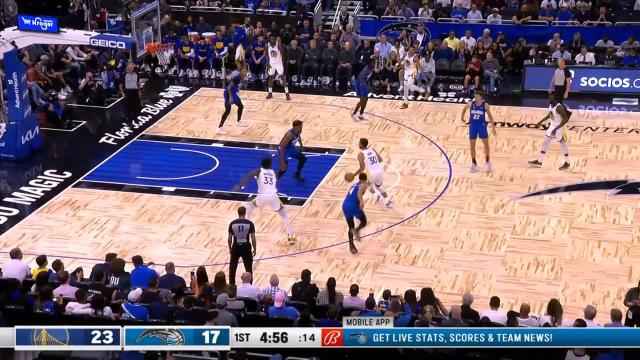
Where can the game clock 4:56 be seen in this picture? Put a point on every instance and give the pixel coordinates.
(296, 337)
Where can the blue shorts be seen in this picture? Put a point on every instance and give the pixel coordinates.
(361, 90)
(235, 98)
(291, 152)
(478, 129)
(351, 212)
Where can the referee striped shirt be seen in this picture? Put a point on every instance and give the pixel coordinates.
(241, 229)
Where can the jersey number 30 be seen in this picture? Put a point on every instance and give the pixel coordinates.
(373, 160)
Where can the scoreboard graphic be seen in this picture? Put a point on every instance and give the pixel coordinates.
(203, 338)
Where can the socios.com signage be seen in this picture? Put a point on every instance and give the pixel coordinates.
(586, 79)
(111, 41)
(38, 23)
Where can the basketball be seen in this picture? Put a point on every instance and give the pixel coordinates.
(151, 47)
(349, 177)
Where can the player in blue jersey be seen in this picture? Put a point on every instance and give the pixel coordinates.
(220, 48)
(479, 111)
(353, 206)
(258, 61)
(361, 84)
(203, 57)
(185, 54)
(291, 147)
(231, 96)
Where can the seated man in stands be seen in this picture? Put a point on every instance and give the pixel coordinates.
(491, 71)
(585, 57)
(280, 309)
(473, 72)
(547, 13)
(427, 74)
(631, 60)
(562, 53)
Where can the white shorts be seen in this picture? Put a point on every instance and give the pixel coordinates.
(276, 69)
(560, 134)
(376, 178)
(269, 201)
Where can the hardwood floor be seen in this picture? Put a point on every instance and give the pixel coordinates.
(579, 247)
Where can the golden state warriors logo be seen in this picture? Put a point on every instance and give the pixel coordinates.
(50, 337)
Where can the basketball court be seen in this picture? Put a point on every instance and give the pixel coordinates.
(168, 196)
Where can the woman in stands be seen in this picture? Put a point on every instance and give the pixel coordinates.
(199, 281)
(220, 283)
(428, 298)
(329, 295)
(45, 302)
(480, 51)
(392, 69)
(553, 316)
(497, 53)
(464, 53)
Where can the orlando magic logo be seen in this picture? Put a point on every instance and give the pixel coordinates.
(166, 336)
(360, 338)
(615, 187)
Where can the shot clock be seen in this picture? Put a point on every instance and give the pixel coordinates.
(276, 337)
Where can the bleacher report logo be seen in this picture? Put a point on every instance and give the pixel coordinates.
(332, 337)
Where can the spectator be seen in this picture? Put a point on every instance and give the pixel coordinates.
(232, 301)
(495, 315)
(467, 313)
(411, 299)
(105, 266)
(582, 13)
(246, 289)
(474, 15)
(16, 268)
(547, 13)
(629, 44)
(497, 53)
(329, 60)
(42, 263)
(452, 41)
(485, 39)
(553, 316)
(590, 314)
(430, 49)
(224, 318)
(444, 52)
(97, 307)
(293, 56)
(568, 3)
(170, 280)
(304, 290)
(562, 53)
(585, 57)
(45, 302)
(202, 26)
(353, 300)
(349, 36)
(131, 310)
(405, 11)
(468, 40)
(632, 59)
(604, 42)
(77, 276)
(545, 3)
(40, 281)
(118, 277)
(428, 298)
(524, 319)
(425, 11)
(480, 51)
(98, 286)
(616, 318)
(455, 318)
(636, 6)
(427, 74)
(604, 16)
(491, 71)
(383, 304)
(346, 58)
(610, 58)
(400, 311)
(554, 43)
(459, 12)
(564, 14)
(152, 293)
(463, 53)
(576, 42)
(141, 274)
(219, 285)
(80, 302)
(280, 309)
(425, 319)
(383, 46)
(523, 15)
(199, 281)
(65, 289)
(273, 288)
(391, 9)
(329, 295)
(370, 308)
(332, 318)
(494, 18)
(312, 58)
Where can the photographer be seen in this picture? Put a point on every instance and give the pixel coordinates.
(55, 113)
(87, 90)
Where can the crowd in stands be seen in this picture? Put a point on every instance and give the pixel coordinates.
(111, 294)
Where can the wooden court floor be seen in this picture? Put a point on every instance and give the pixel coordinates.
(580, 247)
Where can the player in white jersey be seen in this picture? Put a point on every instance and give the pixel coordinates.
(275, 67)
(267, 194)
(410, 64)
(370, 159)
(559, 117)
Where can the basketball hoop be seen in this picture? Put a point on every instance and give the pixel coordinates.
(164, 53)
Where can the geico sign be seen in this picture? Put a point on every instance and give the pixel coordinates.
(108, 43)
(609, 82)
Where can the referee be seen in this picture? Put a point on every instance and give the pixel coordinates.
(239, 231)
(130, 87)
(561, 82)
